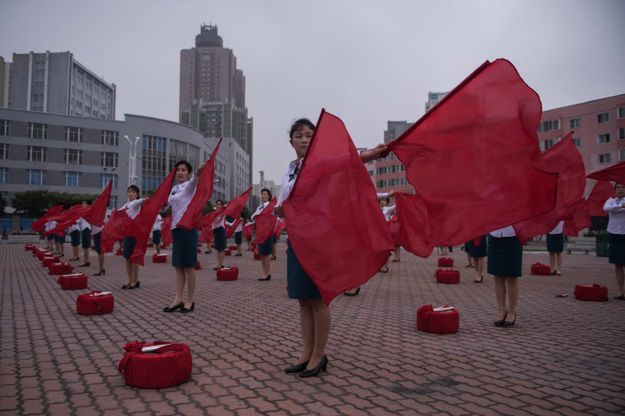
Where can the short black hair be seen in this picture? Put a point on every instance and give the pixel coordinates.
(387, 199)
(266, 190)
(300, 124)
(184, 162)
(134, 188)
(220, 200)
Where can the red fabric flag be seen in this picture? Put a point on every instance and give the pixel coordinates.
(248, 230)
(37, 226)
(565, 159)
(96, 214)
(474, 159)
(336, 227)
(279, 227)
(614, 173)
(415, 230)
(394, 229)
(166, 237)
(192, 217)
(114, 229)
(599, 194)
(577, 220)
(231, 228)
(265, 223)
(67, 219)
(142, 224)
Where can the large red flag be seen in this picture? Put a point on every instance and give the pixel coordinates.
(279, 227)
(265, 223)
(577, 220)
(231, 228)
(166, 237)
(206, 229)
(599, 194)
(142, 224)
(331, 200)
(192, 217)
(474, 158)
(114, 229)
(565, 159)
(67, 218)
(96, 214)
(38, 224)
(415, 227)
(614, 173)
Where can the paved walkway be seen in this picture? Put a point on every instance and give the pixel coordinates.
(563, 357)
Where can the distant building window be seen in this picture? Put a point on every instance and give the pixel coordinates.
(110, 138)
(4, 175)
(620, 112)
(72, 179)
(105, 178)
(37, 131)
(546, 144)
(621, 133)
(603, 138)
(549, 125)
(574, 123)
(36, 177)
(73, 134)
(603, 117)
(113, 202)
(577, 141)
(4, 151)
(621, 154)
(73, 156)
(36, 154)
(108, 159)
(5, 128)
(604, 158)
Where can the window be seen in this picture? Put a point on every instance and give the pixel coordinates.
(604, 158)
(546, 144)
(603, 138)
(73, 134)
(113, 202)
(110, 138)
(73, 156)
(37, 131)
(4, 151)
(5, 128)
(621, 154)
(549, 125)
(72, 179)
(36, 154)
(4, 175)
(621, 133)
(105, 178)
(603, 117)
(108, 159)
(36, 177)
(620, 112)
(577, 141)
(574, 123)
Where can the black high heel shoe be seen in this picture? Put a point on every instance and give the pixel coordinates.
(354, 293)
(127, 286)
(102, 273)
(501, 323)
(187, 310)
(296, 368)
(87, 264)
(264, 279)
(313, 372)
(507, 324)
(135, 286)
(173, 308)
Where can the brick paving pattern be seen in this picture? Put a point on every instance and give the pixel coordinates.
(563, 357)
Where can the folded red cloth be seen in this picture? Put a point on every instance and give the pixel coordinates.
(593, 293)
(437, 322)
(228, 273)
(95, 303)
(447, 276)
(164, 367)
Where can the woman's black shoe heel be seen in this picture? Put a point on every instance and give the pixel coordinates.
(135, 286)
(102, 273)
(354, 293)
(187, 310)
(264, 279)
(173, 308)
(297, 368)
(313, 372)
(128, 286)
(500, 323)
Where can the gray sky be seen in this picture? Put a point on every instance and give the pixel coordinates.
(365, 61)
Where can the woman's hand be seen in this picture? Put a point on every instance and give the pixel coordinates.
(279, 211)
(375, 153)
(199, 171)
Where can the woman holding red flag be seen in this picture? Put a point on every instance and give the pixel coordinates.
(219, 235)
(185, 241)
(615, 207)
(132, 207)
(555, 247)
(264, 248)
(505, 262)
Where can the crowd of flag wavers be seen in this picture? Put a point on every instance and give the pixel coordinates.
(480, 180)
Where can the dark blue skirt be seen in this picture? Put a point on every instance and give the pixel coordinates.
(238, 237)
(74, 238)
(85, 238)
(299, 284)
(616, 248)
(264, 248)
(96, 243)
(478, 251)
(156, 236)
(184, 251)
(219, 238)
(59, 238)
(555, 243)
(505, 256)
(129, 246)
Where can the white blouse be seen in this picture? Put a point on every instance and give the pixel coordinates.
(133, 207)
(558, 228)
(158, 223)
(179, 199)
(83, 224)
(288, 180)
(616, 213)
(260, 209)
(504, 232)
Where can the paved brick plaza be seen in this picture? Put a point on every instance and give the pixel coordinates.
(563, 357)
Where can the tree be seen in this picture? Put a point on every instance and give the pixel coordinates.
(35, 203)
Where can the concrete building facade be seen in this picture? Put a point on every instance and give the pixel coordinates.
(5, 71)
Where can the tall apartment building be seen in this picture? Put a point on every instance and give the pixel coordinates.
(5, 71)
(55, 82)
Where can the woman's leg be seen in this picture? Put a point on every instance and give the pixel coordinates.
(322, 320)
(266, 264)
(101, 262)
(135, 273)
(180, 282)
(221, 255)
(129, 272)
(559, 262)
(620, 278)
(513, 295)
(479, 268)
(85, 252)
(552, 262)
(75, 253)
(307, 326)
(190, 277)
(500, 293)
(397, 251)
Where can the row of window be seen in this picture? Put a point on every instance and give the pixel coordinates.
(601, 139)
(574, 123)
(72, 179)
(390, 169)
(391, 182)
(72, 134)
(71, 156)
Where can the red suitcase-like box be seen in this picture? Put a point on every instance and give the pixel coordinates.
(159, 258)
(443, 320)
(592, 293)
(447, 276)
(95, 303)
(198, 265)
(159, 368)
(232, 247)
(445, 262)
(540, 269)
(227, 252)
(29, 247)
(48, 260)
(228, 274)
(60, 268)
(73, 281)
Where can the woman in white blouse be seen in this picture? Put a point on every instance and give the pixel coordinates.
(615, 207)
(85, 238)
(505, 262)
(219, 235)
(264, 248)
(132, 207)
(555, 247)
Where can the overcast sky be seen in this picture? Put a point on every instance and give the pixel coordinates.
(365, 61)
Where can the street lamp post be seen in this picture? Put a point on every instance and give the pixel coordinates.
(132, 160)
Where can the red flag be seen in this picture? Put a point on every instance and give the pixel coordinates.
(265, 223)
(279, 227)
(577, 220)
(248, 230)
(142, 224)
(563, 158)
(67, 218)
(37, 226)
(474, 158)
(614, 173)
(415, 231)
(206, 229)
(331, 200)
(599, 194)
(166, 237)
(230, 229)
(114, 229)
(96, 214)
(193, 215)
